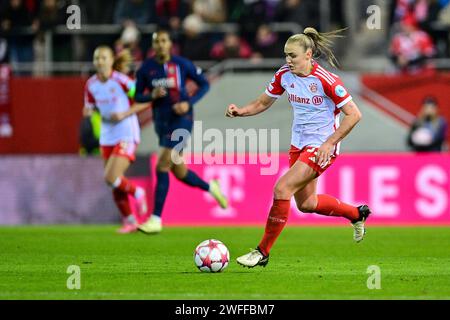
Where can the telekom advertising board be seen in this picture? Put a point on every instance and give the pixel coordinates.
(399, 188)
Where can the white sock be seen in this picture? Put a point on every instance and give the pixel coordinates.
(131, 219)
(155, 218)
(139, 193)
(117, 182)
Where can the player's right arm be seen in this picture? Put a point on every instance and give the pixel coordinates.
(134, 109)
(261, 104)
(141, 85)
(89, 102)
(273, 91)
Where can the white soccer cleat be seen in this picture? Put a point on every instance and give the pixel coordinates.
(253, 259)
(359, 229)
(216, 193)
(151, 226)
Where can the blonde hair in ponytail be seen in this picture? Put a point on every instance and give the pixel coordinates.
(123, 61)
(319, 43)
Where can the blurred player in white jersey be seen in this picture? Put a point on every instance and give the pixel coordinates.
(111, 92)
(317, 97)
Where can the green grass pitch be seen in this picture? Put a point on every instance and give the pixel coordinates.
(306, 263)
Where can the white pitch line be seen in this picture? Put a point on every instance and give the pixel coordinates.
(210, 296)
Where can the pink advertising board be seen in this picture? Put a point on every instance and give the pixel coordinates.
(401, 189)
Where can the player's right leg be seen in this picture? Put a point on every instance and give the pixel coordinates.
(115, 167)
(296, 178)
(154, 224)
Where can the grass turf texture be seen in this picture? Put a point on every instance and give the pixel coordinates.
(306, 263)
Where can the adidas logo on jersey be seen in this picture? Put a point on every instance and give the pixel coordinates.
(292, 86)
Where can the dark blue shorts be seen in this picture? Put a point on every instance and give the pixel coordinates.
(169, 136)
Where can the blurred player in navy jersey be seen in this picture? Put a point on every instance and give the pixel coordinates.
(164, 77)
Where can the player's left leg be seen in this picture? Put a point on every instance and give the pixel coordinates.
(115, 169)
(309, 202)
(189, 177)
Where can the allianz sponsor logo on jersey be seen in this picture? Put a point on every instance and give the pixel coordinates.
(106, 101)
(315, 100)
(164, 83)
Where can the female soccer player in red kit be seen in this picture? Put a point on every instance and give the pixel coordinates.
(110, 92)
(317, 97)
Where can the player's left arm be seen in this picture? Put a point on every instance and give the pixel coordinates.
(196, 74)
(135, 108)
(352, 116)
(89, 102)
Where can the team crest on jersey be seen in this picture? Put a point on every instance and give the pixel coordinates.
(340, 91)
(313, 87)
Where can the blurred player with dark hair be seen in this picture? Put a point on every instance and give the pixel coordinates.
(317, 97)
(164, 76)
(111, 93)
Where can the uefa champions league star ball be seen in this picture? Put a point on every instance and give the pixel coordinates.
(211, 256)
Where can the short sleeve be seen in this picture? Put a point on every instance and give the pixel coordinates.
(339, 94)
(89, 100)
(128, 84)
(275, 89)
(333, 87)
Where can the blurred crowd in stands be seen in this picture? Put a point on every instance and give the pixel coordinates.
(184, 18)
(419, 31)
(419, 28)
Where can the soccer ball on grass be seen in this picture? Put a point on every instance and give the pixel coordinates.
(211, 256)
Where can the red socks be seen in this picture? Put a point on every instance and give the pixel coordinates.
(122, 202)
(326, 205)
(275, 223)
(124, 185)
(330, 206)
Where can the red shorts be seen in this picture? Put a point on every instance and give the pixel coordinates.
(308, 155)
(122, 149)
